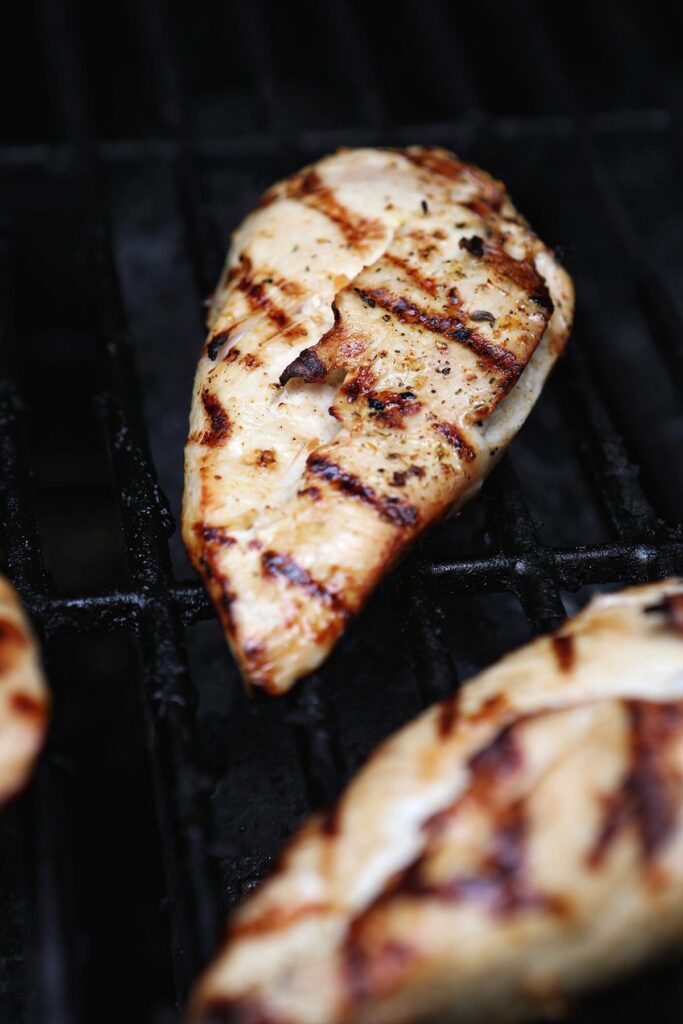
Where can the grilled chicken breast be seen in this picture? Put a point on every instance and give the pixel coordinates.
(383, 327)
(508, 849)
(23, 695)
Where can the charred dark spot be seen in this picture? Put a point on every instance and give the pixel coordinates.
(563, 647)
(474, 245)
(266, 457)
(452, 435)
(389, 508)
(483, 314)
(650, 795)
(307, 366)
(401, 475)
(216, 344)
(281, 566)
(218, 418)
(365, 297)
(310, 492)
(671, 606)
(250, 360)
(391, 408)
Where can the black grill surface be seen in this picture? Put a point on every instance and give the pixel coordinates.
(136, 135)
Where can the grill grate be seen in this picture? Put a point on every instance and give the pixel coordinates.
(227, 779)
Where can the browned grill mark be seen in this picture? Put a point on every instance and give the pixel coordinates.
(295, 331)
(282, 566)
(13, 641)
(437, 161)
(307, 366)
(256, 294)
(309, 189)
(447, 716)
(28, 707)
(392, 407)
(359, 385)
(218, 418)
(564, 651)
(427, 284)
(649, 797)
(501, 884)
(523, 274)
(455, 439)
(452, 326)
(391, 509)
(215, 535)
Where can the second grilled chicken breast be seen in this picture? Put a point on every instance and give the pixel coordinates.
(384, 325)
(510, 848)
(24, 701)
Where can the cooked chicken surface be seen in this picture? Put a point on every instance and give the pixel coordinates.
(23, 695)
(510, 848)
(383, 327)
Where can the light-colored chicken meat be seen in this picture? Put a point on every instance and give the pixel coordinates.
(507, 850)
(383, 327)
(24, 702)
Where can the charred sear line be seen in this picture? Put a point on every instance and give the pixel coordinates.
(400, 476)
(455, 439)
(256, 294)
(501, 884)
(215, 535)
(307, 366)
(452, 326)
(281, 566)
(426, 284)
(309, 189)
(391, 509)
(564, 651)
(392, 407)
(650, 795)
(437, 161)
(218, 418)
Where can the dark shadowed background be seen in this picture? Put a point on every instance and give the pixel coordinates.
(134, 137)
